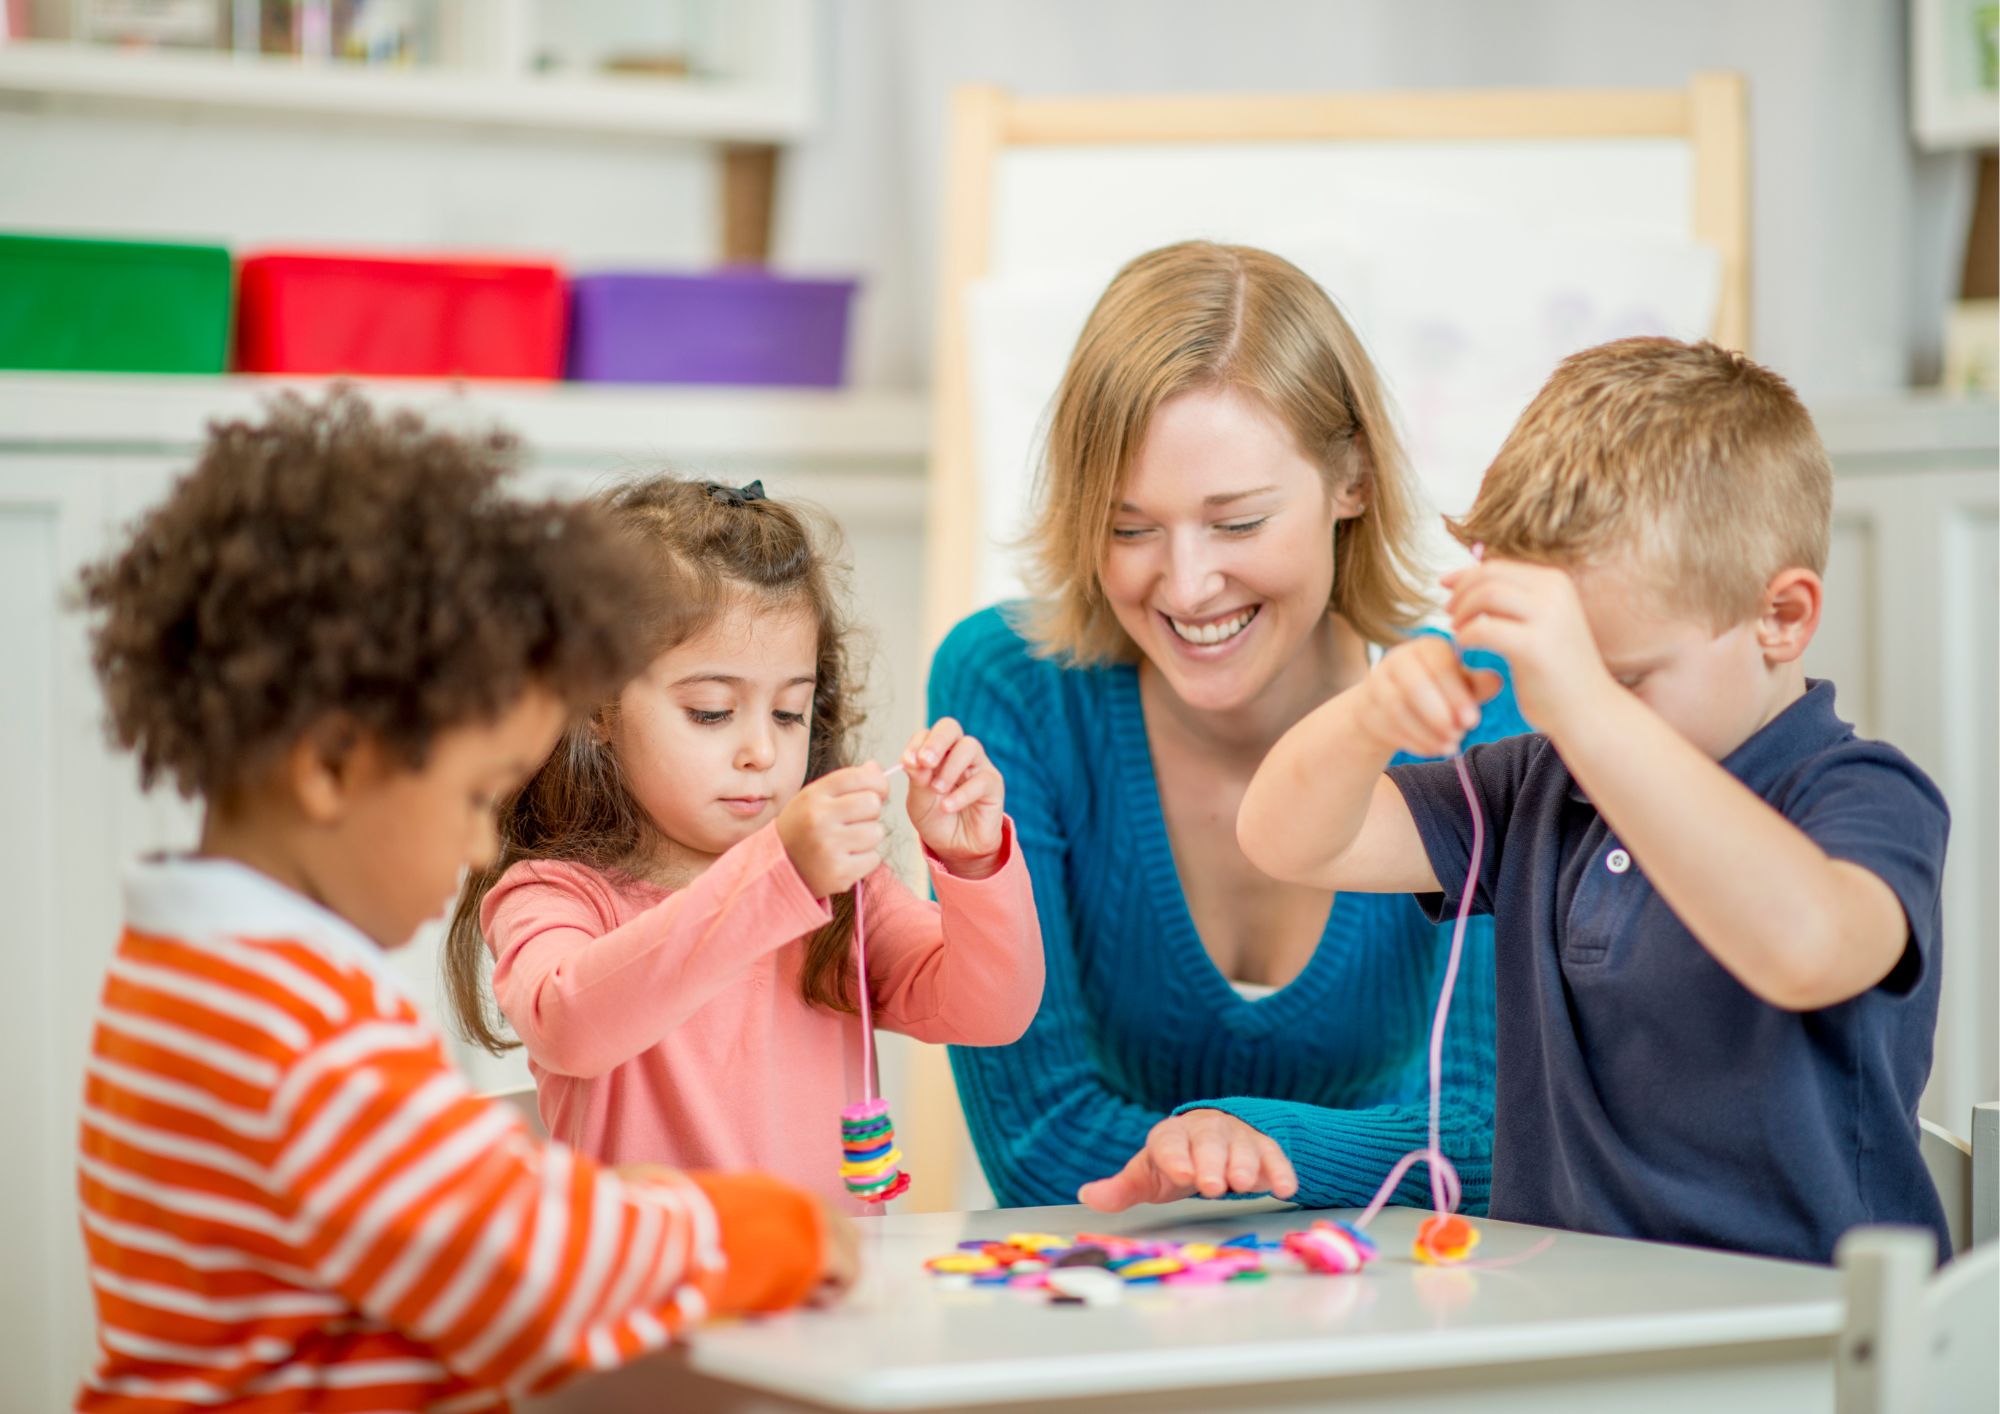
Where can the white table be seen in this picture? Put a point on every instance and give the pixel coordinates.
(1590, 1323)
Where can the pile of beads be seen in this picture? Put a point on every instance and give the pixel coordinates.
(869, 1155)
(1096, 1268)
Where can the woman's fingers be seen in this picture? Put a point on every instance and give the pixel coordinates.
(1131, 1185)
(1203, 1152)
(1280, 1179)
(1210, 1146)
(1168, 1147)
(1245, 1168)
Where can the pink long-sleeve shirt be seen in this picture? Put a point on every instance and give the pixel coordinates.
(667, 1026)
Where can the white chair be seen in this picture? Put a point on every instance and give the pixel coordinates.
(521, 1099)
(1966, 1176)
(1986, 1171)
(1915, 1341)
(1949, 1159)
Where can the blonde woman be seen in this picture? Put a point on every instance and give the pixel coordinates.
(1226, 525)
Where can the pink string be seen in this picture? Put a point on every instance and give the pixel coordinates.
(868, 1077)
(1445, 1188)
(867, 1014)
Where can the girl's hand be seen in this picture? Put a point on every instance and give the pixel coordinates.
(1203, 1151)
(1421, 698)
(956, 799)
(833, 828)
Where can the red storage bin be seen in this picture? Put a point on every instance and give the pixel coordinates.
(328, 313)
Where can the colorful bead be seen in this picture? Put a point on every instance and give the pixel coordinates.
(1444, 1240)
(869, 1156)
(1332, 1248)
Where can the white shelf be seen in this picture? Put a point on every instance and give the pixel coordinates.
(1915, 431)
(883, 432)
(693, 109)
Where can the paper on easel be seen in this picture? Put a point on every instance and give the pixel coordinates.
(1464, 312)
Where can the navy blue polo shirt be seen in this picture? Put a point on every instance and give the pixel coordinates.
(1641, 1090)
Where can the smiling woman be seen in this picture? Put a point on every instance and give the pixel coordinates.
(1225, 525)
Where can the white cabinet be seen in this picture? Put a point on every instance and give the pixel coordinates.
(1911, 635)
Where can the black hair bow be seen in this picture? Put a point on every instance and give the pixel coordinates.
(734, 495)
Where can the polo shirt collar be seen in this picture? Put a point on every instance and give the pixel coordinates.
(1801, 728)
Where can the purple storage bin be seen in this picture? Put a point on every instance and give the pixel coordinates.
(735, 326)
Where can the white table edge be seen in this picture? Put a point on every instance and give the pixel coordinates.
(1156, 1370)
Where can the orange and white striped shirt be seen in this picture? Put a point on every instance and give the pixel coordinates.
(293, 1201)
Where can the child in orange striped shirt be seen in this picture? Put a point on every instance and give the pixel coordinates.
(342, 638)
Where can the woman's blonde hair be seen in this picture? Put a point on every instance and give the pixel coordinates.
(1199, 315)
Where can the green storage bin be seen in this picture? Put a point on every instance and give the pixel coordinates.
(113, 306)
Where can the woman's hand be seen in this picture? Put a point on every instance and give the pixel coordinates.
(832, 829)
(957, 799)
(1202, 1152)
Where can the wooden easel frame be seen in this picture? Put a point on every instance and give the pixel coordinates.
(1711, 114)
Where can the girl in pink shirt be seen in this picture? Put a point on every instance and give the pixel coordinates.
(671, 919)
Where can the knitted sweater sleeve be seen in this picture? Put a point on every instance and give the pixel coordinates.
(1042, 1118)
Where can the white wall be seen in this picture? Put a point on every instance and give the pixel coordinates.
(1857, 237)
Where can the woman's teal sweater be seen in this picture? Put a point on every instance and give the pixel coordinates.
(1136, 1022)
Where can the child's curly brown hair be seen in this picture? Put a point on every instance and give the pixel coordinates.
(330, 562)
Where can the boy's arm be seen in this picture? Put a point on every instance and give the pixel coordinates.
(1320, 811)
(1797, 927)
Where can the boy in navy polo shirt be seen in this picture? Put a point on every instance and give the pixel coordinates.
(1716, 908)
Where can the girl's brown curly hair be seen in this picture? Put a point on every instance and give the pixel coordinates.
(710, 546)
(330, 562)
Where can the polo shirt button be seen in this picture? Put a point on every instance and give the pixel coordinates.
(1618, 861)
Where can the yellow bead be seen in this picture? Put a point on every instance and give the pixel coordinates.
(1034, 1241)
(969, 1263)
(873, 1166)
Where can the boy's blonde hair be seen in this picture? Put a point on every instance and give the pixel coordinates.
(1700, 463)
(1200, 315)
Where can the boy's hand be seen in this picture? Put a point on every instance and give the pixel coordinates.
(1203, 1151)
(840, 1268)
(956, 799)
(1532, 616)
(1421, 698)
(832, 829)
